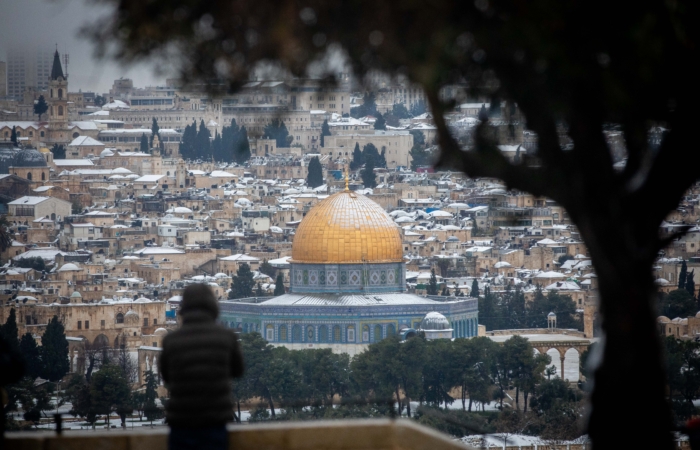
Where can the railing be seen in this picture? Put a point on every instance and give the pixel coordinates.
(376, 434)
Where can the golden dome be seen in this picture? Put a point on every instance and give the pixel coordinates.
(347, 228)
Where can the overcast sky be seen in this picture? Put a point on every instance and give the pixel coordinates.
(45, 23)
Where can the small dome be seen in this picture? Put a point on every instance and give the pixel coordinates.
(142, 300)
(664, 319)
(68, 267)
(551, 315)
(661, 282)
(160, 332)
(698, 315)
(106, 152)
(435, 321)
(131, 318)
(501, 264)
(29, 157)
(676, 320)
(76, 294)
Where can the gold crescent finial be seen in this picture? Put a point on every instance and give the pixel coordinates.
(347, 179)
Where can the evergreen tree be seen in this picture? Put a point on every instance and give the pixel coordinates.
(217, 149)
(400, 111)
(516, 159)
(483, 113)
(54, 351)
(150, 408)
(367, 108)
(40, 107)
(682, 275)
(9, 331)
(315, 176)
(267, 269)
(279, 285)
(419, 156)
(357, 160)
(690, 283)
(242, 147)
(109, 390)
(277, 130)
(380, 123)
(100, 101)
(370, 150)
(432, 284)
(189, 142)
(143, 146)
(59, 151)
(32, 358)
(203, 145)
(243, 283)
(369, 178)
(475, 289)
(418, 108)
(382, 158)
(155, 131)
(325, 131)
(13, 135)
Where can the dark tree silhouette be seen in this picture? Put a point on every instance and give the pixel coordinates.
(40, 107)
(631, 71)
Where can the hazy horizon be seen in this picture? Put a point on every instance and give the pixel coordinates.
(31, 24)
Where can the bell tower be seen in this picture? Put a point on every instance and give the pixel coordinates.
(58, 102)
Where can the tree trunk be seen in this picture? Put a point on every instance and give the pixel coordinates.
(525, 394)
(272, 405)
(470, 404)
(632, 354)
(517, 398)
(238, 403)
(408, 406)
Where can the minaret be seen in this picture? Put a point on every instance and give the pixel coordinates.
(58, 102)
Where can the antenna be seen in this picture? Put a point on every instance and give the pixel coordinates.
(66, 59)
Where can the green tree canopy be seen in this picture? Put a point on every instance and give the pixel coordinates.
(10, 332)
(243, 283)
(678, 303)
(54, 351)
(325, 131)
(369, 178)
(109, 390)
(400, 111)
(40, 107)
(315, 176)
(432, 284)
(143, 146)
(380, 123)
(35, 262)
(357, 159)
(279, 285)
(277, 130)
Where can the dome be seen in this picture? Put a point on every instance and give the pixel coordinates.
(106, 152)
(435, 321)
(76, 294)
(142, 300)
(347, 228)
(131, 318)
(664, 319)
(29, 157)
(68, 267)
(160, 332)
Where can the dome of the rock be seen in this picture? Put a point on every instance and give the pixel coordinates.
(347, 228)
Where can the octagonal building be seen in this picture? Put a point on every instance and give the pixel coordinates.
(348, 285)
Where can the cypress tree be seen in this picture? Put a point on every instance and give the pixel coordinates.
(475, 289)
(155, 130)
(325, 131)
(682, 275)
(13, 135)
(243, 283)
(242, 146)
(143, 146)
(40, 107)
(150, 409)
(10, 332)
(369, 178)
(516, 159)
(315, 176)
(380, 123)
(483, 113)
(357, 160)
(690, 283)
(32, 358)
(432, 284)
(279, 285)
(54, 351)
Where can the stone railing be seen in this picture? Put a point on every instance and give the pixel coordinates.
(379, 434)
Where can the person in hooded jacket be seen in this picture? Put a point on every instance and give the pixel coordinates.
(197, 364)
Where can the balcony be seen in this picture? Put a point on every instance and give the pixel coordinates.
(342, 434)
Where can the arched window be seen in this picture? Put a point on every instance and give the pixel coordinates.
(120, 318)
(269, 333)
(365, 333)
(29, 175)
(351, 333)
(283, 333)
(377, 333)
(310, 333)
(390, 330)
(336, 333)
(75, 135)
(43, 176)
(42, 134)
(60, 110)
(60, 93)
(296, 333)
(323, 333)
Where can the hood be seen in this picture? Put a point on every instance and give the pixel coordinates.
(199, 299)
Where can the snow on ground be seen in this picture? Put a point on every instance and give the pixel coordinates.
(511, 440)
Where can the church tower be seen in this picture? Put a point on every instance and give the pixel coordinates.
(58, 103)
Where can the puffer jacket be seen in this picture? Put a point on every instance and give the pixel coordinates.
(197, 364)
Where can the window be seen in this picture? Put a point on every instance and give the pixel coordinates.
(269, 333)
(102, 323)
(377, 333)
(29, 176)
(43, 176)
(296, 333)
(60, 110)
(323, 333)
(283, 333)
(145, 321)
(155, 321)
(310, 333)
(365, 333)
(351, 333)
(336, 333)
(120, 318)
(80, 324)
(60, 93)
(87, 324)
